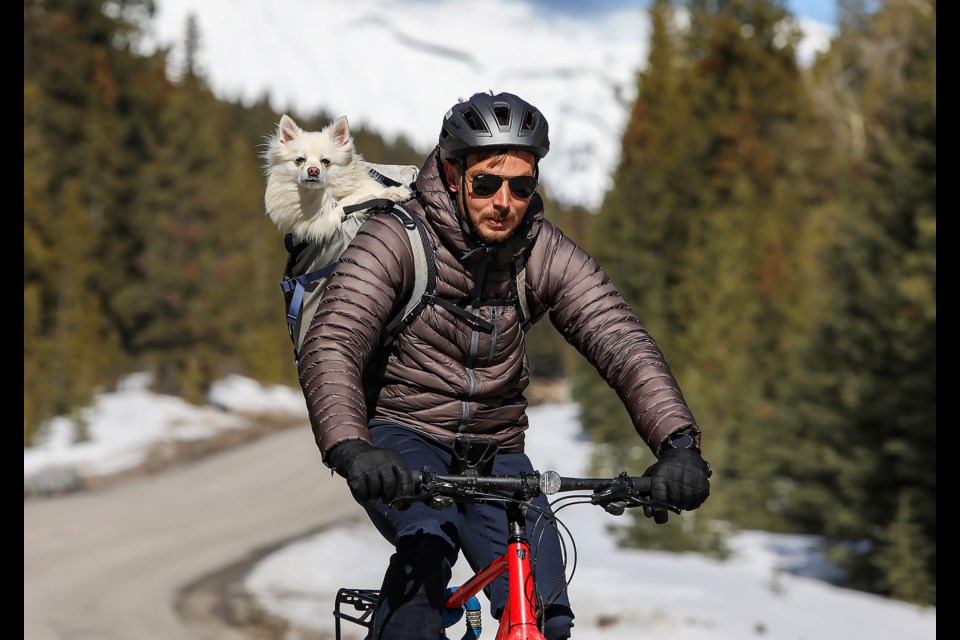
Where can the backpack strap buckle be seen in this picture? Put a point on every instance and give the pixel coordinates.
(299, 286)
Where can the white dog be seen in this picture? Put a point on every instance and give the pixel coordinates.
(313, 175)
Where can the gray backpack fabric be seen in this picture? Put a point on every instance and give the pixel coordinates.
(309, 265)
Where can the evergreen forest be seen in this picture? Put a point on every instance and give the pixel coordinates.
(773, 225)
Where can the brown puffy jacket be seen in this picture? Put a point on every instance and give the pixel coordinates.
(443, 376)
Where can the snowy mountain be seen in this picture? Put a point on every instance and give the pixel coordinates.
(396, 66)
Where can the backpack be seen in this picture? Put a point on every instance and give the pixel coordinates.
(309, 265)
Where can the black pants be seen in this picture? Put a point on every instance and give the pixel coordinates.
(428, 542)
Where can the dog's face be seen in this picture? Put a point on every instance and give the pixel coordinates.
(310, 159)
(312, 175)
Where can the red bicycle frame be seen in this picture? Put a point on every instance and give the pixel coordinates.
(519, 619)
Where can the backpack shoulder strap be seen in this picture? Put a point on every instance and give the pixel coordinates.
(425, 271)
(425, 280)
(369, 204)
(294, 287)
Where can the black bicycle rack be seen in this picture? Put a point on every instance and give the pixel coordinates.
(364, 603)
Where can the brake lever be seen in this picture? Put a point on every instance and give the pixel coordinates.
(615, 508)
(620, 495)
(402, 503)
(613, 492)
(653, 504)
(613, 498)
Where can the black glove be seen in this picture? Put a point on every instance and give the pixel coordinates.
(681, 478)
(371, 472)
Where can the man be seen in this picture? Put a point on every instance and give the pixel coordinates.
(460, 366)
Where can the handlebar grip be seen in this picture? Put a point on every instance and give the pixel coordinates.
(642, 485)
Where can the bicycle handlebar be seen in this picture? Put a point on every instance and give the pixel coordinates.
(613, 494)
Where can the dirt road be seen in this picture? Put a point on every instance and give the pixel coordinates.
(112, 564)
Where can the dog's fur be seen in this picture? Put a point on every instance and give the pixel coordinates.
(312, 175)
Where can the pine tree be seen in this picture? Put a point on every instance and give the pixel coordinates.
(637, 236)
(871, 362)
(706, 214)
(39, 276)
(77, 73)
(903, 555)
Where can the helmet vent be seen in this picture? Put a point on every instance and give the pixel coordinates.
(474, 121)
(502, 113)
(529, 122)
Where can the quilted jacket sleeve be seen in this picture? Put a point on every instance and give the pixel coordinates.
(373, 274)
(589, 311)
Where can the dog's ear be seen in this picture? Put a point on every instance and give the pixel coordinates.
(287, 130)
(341, 132)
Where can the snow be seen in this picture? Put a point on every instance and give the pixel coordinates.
(773, 587)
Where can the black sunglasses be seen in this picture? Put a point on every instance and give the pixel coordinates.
(487, 184)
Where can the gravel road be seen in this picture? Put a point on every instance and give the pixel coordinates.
(144, 559)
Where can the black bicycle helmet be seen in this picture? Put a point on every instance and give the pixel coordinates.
(487, 120)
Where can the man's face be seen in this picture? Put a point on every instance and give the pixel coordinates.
(494, 216)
